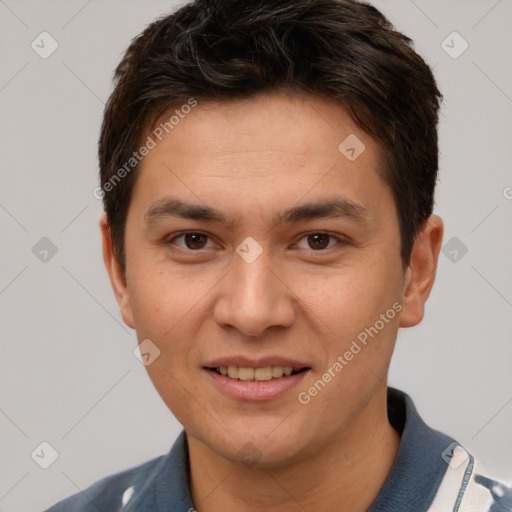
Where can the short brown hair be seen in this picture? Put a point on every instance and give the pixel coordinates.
(222, 49)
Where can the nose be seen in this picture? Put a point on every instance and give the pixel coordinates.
(253, 297)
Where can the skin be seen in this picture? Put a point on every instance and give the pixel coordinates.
(251, 159)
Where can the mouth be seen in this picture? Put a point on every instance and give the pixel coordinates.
(261, 381)
(261, 374)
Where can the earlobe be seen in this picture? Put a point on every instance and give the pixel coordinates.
(420, 275)
(116, 275)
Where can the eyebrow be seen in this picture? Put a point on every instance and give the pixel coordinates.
(338, 207)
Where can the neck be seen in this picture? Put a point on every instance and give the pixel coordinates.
(346, 474)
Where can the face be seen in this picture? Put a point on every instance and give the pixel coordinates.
(255, 246)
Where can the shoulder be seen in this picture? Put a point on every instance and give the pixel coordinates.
(468, 485)
(434, 472)
(113, 492)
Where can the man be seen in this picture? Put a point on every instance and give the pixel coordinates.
(268, 172)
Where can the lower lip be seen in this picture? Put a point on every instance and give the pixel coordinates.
(255, 390)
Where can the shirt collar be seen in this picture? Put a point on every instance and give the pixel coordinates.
(411, 485)
(419, 467)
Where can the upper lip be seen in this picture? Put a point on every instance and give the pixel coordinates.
(261, 362)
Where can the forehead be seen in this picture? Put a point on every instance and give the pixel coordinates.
(274, 148)
(314, 125)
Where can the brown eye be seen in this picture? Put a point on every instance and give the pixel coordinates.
(195, 240)
(318, 241)
(191, 240)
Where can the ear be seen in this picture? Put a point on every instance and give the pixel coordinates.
(421, 272)
(116, 275)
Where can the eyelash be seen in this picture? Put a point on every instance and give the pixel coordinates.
(171, 240)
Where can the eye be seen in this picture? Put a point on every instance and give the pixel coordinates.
(318, 241)
(190, 240)
(195, 241)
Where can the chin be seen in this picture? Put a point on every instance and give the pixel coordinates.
(263, 445)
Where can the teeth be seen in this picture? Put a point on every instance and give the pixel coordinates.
(246, 374)
(263, 373)
(277, 371)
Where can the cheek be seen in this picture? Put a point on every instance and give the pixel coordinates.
(360, 342)
(160, 301)
(349, 300)
(166, 309)
(357, 311)
(170, 309)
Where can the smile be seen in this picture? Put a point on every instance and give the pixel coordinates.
(259, 374)
(258, 383)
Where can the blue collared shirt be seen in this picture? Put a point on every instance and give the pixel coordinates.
(432, 473)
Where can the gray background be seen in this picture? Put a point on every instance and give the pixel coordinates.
(68, 373)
